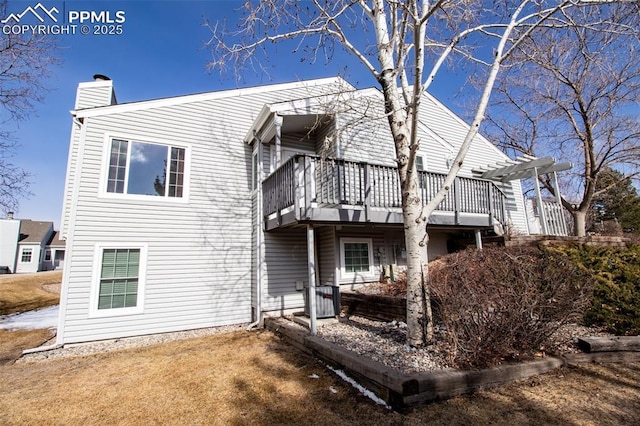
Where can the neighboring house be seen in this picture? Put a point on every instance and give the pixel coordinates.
(217, 208)
(25, 245)
(54, 253)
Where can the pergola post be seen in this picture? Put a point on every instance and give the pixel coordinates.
(543, 215)
(531, 167)
(556, 189)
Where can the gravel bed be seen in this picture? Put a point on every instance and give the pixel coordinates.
(103, 346)
(385, 342)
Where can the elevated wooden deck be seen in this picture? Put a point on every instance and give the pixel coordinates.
(308, 189)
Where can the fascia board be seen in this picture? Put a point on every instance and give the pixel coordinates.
(179, 100)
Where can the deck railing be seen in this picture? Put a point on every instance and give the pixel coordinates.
(305, 179)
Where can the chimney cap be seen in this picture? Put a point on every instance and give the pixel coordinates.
(9, 215)
(100, 77)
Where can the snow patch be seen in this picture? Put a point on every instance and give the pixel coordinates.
(366, 392)
(31, 320)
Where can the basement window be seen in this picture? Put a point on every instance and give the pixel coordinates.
(119, 280)
(356, 259)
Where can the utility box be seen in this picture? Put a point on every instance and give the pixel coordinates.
(327, 301)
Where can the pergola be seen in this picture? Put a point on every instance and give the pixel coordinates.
(530, 167)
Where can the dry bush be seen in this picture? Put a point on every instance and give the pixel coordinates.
(397, 288)
(504, 303)
(612, 228)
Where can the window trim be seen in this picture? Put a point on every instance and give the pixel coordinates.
(23, 253)
(98, 253)
(356, 276)
(104, 173)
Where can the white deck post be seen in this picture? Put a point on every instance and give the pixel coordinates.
(311, 258)
(478, 239)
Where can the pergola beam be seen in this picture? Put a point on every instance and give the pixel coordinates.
(559, 167)
(502, 172)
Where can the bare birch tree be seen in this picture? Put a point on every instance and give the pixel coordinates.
(574, 92)
(403, 44)
(25, 62)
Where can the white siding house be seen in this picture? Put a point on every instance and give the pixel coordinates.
(194, 211)
(24, 245)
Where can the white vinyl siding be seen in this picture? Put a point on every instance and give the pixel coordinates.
(285, 262)
(440, 132)
(198, 272)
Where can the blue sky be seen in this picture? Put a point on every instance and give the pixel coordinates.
(161, 53)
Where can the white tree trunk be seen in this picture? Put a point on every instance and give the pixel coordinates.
(419, 317)
(580, 223)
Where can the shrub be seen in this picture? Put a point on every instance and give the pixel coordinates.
(504, 303)
(616, 300)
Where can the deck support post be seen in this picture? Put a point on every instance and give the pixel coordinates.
(311, 259)
(478, 239)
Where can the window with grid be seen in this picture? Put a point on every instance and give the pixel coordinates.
(356, 257)
(25, 257)
(119, 278)
(146, 169)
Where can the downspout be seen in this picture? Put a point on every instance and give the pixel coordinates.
(259, 237)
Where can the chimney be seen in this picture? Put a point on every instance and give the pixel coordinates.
(96, 93)
(9, 215)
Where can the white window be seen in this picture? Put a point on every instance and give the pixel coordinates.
(25, 257)
(356, 258)
(420, 163)
(143, 168)
(119, 277)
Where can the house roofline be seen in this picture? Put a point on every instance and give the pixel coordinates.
(300, 103)
(198, 97)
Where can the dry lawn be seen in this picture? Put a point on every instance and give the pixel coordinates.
(20, 293)
(254, 378)
(12, 343)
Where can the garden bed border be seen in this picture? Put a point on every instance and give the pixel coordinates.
(404, 391)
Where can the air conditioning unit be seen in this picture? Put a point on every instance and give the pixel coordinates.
(327, 301)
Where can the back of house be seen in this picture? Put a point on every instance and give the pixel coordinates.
(197, 211)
